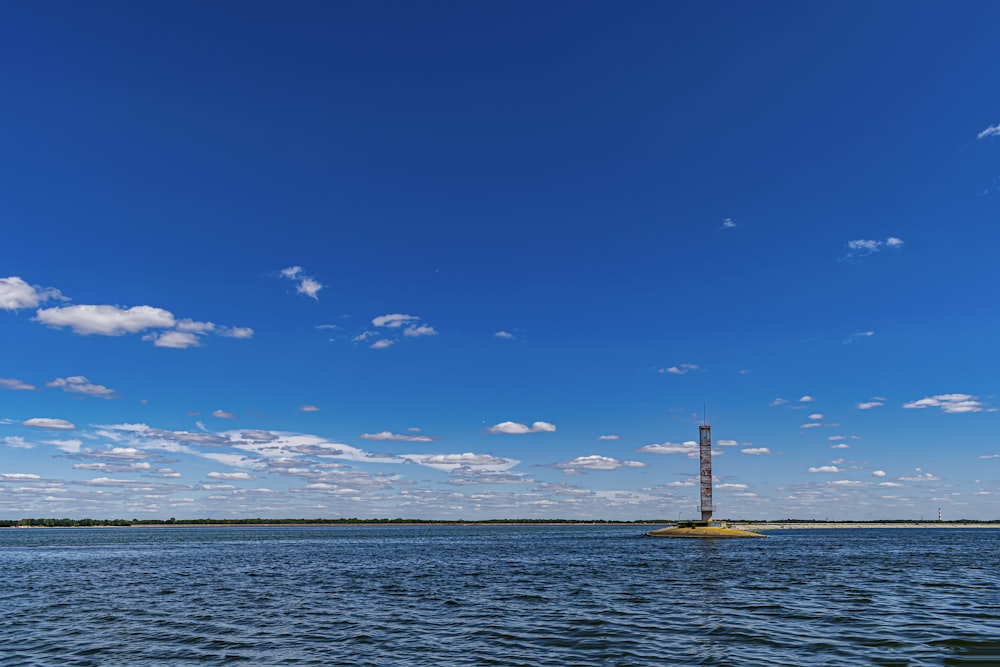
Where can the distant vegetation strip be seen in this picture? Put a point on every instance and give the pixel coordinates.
(71, 523)
(77, 523)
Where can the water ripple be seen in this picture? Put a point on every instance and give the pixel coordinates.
(456, 596)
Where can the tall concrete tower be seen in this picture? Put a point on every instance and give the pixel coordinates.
(704, 527)
(705, 455)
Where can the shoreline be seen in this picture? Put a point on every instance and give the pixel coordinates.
(827, 525)
(742, 525)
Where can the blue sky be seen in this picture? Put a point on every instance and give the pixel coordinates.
(488, 260)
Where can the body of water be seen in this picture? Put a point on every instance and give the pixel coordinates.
(496, 595)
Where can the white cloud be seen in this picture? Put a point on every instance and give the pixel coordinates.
(826, 469)
(15, 384)
(868, 405)
(878, 473)
(989, 456)
(49, 423)
(728, 443)
(422, 330)
(222, 414)
(380, 344)
(306, 285)
(78, 384)
(17, 442)
(504, 334)
(732, 487)
(192, 326)
(466, 461)
(176, 340)
(842, 445)
(394, 320)
(595, 462)
(401, 437)
(680, 369)
(922, 477)
(608, 437)
(688, 447)
(778, 401)
(806, 399)
(236, 332)
(106, 320)
(514, 428)
(230, 476)
(16, 294)
(728, 223)
(310, 287)
(757, 451)
(865, 247)
(69, 446)
(991, 131)
(950, 403)
(815, 416)
(308, 408)
(18, 477)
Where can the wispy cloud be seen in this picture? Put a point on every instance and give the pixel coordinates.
(78, 384)
(596, 462)
(921, 476)
(608, 437)
(865, 247)
(679, 369)
(991, 131)
(49, 423)
(222, 414)
(825, 469)
(466, 462)
(230, 476)
(391, 325)
(422, 330)
(303, 284)
(308, 408)
(858, 335)
(514, 428)
(870, 405)
(950, 403)
(15, 385)
(689, 447)
(400, 437)
(506, 335)
(394, 320)
(756, 451)
(728, 223)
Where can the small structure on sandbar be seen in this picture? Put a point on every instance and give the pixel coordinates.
(706, 526)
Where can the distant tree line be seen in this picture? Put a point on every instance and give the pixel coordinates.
(75, 523)
(78, 523)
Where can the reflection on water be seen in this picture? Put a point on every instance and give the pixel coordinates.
(535, 595)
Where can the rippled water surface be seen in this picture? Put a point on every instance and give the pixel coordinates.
(499, 595)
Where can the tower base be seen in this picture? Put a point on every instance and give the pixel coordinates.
(702, 529)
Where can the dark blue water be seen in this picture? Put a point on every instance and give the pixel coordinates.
(536, 595)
